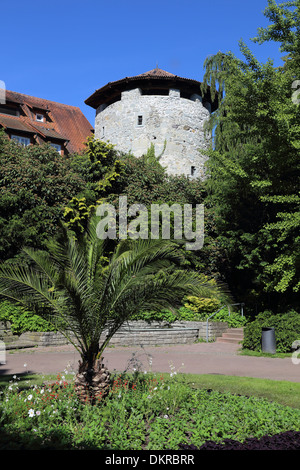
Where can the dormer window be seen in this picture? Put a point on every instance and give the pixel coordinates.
(24, 141)
(10, 111)
(57, 147)
(39, 117)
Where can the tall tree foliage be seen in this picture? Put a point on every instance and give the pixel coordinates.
(110, 174)
(254, 164)
(35, 185)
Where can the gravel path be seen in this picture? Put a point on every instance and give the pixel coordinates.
(198, 358)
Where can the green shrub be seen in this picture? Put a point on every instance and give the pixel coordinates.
(287, 330)
(164, 315)
(22, 320)
(234, 320)
(202, 304)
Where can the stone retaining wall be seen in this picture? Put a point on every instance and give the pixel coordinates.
(132, 333)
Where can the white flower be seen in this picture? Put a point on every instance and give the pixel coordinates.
(14, 376)
(38, 413)
(31, 412)
(166, 416)
(29, 397)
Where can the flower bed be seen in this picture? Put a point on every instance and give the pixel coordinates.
(143, 411)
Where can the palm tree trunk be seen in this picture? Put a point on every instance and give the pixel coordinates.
(92, 382)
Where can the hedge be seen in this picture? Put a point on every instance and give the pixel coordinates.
(287, 330)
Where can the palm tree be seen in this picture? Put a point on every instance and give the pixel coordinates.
(88, 296)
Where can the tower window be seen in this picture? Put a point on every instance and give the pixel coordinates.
(140, 120)
(193, 170)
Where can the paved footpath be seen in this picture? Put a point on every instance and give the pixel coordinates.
(198, 358)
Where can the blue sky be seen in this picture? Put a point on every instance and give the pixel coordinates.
(63, 50)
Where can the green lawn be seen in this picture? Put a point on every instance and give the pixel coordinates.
(283, 392)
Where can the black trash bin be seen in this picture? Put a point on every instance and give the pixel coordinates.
(268, 341)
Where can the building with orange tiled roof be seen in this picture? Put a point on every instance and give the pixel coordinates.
(156, 109)
(30, 120)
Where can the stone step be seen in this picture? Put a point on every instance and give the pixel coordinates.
(232, 335)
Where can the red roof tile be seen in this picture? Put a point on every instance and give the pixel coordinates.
(15, 123)
(67, 122)
(157, 73)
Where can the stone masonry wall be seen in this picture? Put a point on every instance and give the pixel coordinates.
(132, 333)
(137, 120)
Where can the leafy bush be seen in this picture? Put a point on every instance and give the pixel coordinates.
(22, 320)
(163, 316)
(287, 330)
(35, 185)
(202, 305)
(234, 320)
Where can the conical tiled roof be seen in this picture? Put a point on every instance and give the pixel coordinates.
(153, 79)
(157, 72)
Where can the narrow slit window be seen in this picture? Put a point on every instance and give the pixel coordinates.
(140, 120)
(193, 170)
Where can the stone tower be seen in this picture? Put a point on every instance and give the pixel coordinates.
(156, 108)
